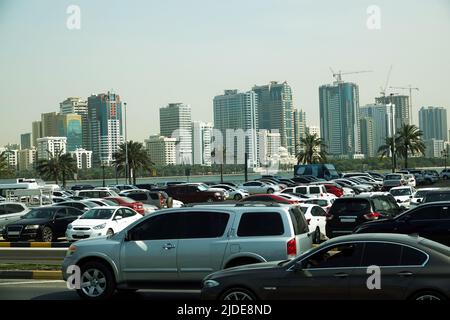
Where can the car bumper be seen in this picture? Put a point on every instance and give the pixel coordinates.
(74, 235)
(24, 235)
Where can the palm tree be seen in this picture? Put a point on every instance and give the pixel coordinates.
(409, 141)
(314, 150)
(388, 149)
(58, 167)
(213, 155)
(3, 162)
(138, 158)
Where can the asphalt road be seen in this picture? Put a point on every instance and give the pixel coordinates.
(12, 289)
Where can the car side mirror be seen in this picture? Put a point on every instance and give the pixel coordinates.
(118, 218)
(297, 267)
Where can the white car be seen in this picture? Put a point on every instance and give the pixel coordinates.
(411, 179)
(324, 203)
(175, 204)
(101, 221)
(403, 195)
(258, 187)
(419, 195)
(11, 212)
(313, 191)
(316, 218)
(233, 192)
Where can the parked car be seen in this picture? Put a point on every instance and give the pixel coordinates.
(433, 175)
(146, 186)
(270, 198)
(403, 195)
(159, 199)
(82, 187)
(44, 223)
(347, 213)
(11, 212)
(192, 193)
(258, 187)
(445, 174)
(411, 268)
(418, 196)
(317, 191)
(394, 180)
(325, 203)
(83, 205)
(122, 187)
(102, 202)
(372, 186)
(129, 203)
(177, 247)
(96, 193)
(101, 221)
(233, 192)
(430, 220)
(356, 187)
(437, 195)
(376, 175)
(316, 218)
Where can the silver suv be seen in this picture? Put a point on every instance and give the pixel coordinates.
(179, 247)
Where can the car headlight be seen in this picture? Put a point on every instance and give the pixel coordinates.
(32, 227)
(100, 226)
(217, 194)
(210, 284)
(69, 227)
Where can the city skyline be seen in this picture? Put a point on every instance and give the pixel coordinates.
(192, 64)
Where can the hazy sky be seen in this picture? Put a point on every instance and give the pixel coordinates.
(156, 52)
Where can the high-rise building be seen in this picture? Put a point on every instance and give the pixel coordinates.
(433, 123)
(49, 124)
(25, 141)
(366, 127)
(401, 110)
(434, 148)
(105, 126)
(339, 118)
(381, 122)
(201, 142)
(48, 147)
(11, 154)
(36, 132)
(70, 126)
(313, 130)
(83, 158)
(27, 159)
(235, 116)
(299, 128)
(275, 111)
(78, 106)
(162, 150)
(269, 144)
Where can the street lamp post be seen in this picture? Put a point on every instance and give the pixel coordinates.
(394, 158)
(444, 154)
(103, 174)
(126, 146)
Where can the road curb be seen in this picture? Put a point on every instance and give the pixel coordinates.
(31, 274)
(34, 244)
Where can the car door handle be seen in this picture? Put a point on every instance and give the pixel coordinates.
(341, 275)
(168, 246)
(405, 274)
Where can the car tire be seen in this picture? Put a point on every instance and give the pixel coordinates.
(110, 232)
(237, 197)
(47, 234)
(236, 294)
(317, 236)
(428, 296)
(270, 190)
(445, 177)
(210, 200)
(99, 279)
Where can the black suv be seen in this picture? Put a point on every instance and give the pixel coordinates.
(431, 221)
(349, 212)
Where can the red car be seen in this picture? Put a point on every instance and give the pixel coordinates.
(269, 198)
(338, 192)
(130, 203)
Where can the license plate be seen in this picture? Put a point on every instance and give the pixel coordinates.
(348, 220)
(13, 233)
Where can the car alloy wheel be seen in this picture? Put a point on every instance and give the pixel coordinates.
(93, 283)
(270, 191)
(47, 234)
(237, 197)
(110, 232)
(210, 200)
(238, 295)
(428, 297)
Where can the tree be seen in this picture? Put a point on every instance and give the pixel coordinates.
(138, 158)
(4, 167)
(58, 167)
(314, 150)
(409, 141)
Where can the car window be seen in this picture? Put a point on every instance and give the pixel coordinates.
(163, 226)
(14, 208)
(437, 196)
(314, 190)
(260, 224)
(318, 212)
(425, 213)
(298, 220)
(301, 190)
(412, 257)
(77, 205)
(381, 254)
(2, 209)
(127, 213)
(61, 213)
(339, 256)
(73, 212)
(350, 206)
(381, 204)
(288, 190)
(137, 196)
(203, 224)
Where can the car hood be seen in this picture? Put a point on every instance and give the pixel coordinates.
(89, 222)
(24, 222)
(403, 198)
(248, 268)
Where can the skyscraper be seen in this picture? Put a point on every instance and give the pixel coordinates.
(201, 142)
(105, 126)
(162, 150)
(299, 128)
(366, 127)
(381, 122)
(401, 112)
(25, 141)
(69, 125)
(175, 121)
(433, 123)
(49, 124)
(36, 132)
(235, 113)
(339, 118)
(275, 111)
(27, 158)
(76, 105)
(48, 147)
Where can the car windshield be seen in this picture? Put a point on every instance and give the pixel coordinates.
(393, 177)
(41, 213)
(401, 192)
(420, 194)
(102, 214)
(203, 187)
(109, 202)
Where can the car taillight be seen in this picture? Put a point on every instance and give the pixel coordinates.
(292, 247)
(329, 216)
(372, 216)
(161, 199)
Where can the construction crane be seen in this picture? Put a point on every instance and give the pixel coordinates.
(383, 89)
(410, 88)
(338, 75)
